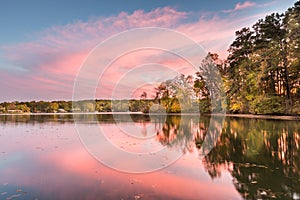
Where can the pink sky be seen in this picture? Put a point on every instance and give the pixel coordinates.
(45, 68)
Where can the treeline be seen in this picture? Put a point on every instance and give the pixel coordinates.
(142, 105)
(261, 75)
(262, 71)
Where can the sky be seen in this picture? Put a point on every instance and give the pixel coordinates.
(44, 45)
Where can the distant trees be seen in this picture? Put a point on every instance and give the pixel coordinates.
(103, 105)
(53, 107)
(14, 107)
(177, 94)
(2, 109)
(35, 107)
(23, 107)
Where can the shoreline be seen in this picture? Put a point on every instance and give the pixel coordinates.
(70, 113)
(248, 116)
(252, 116)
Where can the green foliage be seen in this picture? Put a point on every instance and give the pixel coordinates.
(2, 109)
(65, 105)
(204, 105)
(139, 105)
(236, 107)
(174, 107)
(296, 108)
(267, 105)
(263, 71)
(103, 105)
(53, 107)
(23, 108)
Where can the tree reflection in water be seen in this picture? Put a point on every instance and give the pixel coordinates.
(263, 156)
(183, 132)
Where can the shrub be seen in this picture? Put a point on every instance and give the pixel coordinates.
(205, 105)
(267, 105)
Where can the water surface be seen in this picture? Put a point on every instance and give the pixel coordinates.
(42, 157)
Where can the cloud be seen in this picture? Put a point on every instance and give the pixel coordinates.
(246, 4)
(52, 59)
(241, 6)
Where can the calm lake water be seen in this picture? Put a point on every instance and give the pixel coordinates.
(44, 157)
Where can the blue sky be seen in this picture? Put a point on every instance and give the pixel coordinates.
(43, 43)
(20, 20)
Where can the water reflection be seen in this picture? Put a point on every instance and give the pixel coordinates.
(262, 157)
(259, 158)
(183, 132)
(35, 119)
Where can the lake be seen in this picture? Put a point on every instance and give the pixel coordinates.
(122, 156)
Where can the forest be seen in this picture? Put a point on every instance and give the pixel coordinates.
(261, 75)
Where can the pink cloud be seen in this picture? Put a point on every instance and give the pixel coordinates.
(246, 4)
(242, 6)
(139, 68)
(57, 53)
(51, 61)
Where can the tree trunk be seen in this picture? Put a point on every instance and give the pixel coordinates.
(286, 77)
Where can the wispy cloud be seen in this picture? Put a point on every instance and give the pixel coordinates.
(241, 6)
(246, 4)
